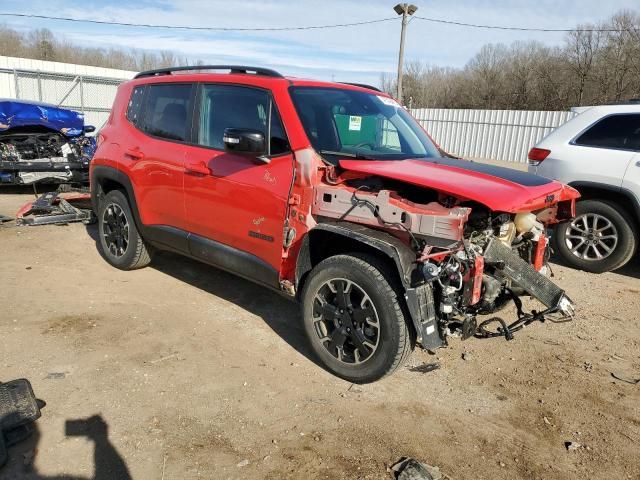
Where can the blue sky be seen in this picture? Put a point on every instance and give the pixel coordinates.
(345, 54)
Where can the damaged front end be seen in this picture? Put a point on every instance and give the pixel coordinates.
(40, 142)
(470, 262)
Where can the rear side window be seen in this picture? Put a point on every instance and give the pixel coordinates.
(616, 131)
(135, 105)
(167, 111)
(229, 106)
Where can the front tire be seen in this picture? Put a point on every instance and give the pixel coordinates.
(120, 242)
(601, 238)
(354, 320)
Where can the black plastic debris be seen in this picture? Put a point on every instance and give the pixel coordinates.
(425, 368)
(411, 469)
(19, 408)
(4, 218)
(571, 446)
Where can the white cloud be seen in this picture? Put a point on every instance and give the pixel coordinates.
(356, 53)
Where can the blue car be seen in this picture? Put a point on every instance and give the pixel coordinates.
(43, 143)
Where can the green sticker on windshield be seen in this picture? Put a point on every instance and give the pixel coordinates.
(355, 123)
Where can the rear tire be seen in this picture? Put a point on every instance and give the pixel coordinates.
(601, 238)
(367, 339)
(120, 242)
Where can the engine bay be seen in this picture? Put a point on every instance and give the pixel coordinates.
(474, 261)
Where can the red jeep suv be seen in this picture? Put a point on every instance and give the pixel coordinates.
(331, 194)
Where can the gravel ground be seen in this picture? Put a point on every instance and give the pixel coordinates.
(193, 373)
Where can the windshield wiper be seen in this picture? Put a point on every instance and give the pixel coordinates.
(358, 156)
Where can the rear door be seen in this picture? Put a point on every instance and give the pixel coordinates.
(604, 149)
(236, 207)
(154, 154)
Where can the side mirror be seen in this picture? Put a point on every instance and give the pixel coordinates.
(244, 140)
(89, 129)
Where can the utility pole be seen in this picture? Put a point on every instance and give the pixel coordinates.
(406, 10)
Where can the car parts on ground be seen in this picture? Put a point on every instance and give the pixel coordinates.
(57, 208)
(411, 469)
(19, 408)
(41, 142)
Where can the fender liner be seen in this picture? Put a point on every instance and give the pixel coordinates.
(101, 173)
(418, 295)
(392, 247)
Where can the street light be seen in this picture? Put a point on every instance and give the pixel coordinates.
(406, 10)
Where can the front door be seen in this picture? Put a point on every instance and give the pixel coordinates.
(237, 203)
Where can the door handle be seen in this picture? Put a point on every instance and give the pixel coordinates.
(134, 153)
(198, 168)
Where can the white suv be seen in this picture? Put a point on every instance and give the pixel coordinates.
(598, 153)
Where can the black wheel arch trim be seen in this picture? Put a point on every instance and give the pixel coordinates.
(100, 174)
(403, 257)
(635, 202)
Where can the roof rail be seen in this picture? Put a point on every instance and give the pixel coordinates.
(362, 85)
(267, 72)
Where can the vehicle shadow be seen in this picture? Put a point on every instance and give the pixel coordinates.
(108, 464)
(279, 313)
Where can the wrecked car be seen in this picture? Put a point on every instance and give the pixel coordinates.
(41, 142)
(334, 195)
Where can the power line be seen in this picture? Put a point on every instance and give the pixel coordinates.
(187, 27)
(308, 27)
(520, 29)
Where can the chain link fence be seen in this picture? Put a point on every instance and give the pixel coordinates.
(90, 95)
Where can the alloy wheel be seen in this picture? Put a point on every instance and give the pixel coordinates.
(346, 321)
(115, 229)
(591, 237)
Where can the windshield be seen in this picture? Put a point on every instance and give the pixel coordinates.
(351, 123)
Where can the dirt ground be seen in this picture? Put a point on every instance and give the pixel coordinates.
(193, 373)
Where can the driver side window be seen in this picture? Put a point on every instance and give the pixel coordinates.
(229, 106)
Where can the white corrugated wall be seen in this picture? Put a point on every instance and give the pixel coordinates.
(489, 134)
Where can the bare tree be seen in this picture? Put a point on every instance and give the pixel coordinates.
(387, 83)
(582, 48)
(591, 67)
(486, 71)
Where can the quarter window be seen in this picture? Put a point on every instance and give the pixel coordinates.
(616, 131)
(228, 106)
(167, 111)
(135, 104)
